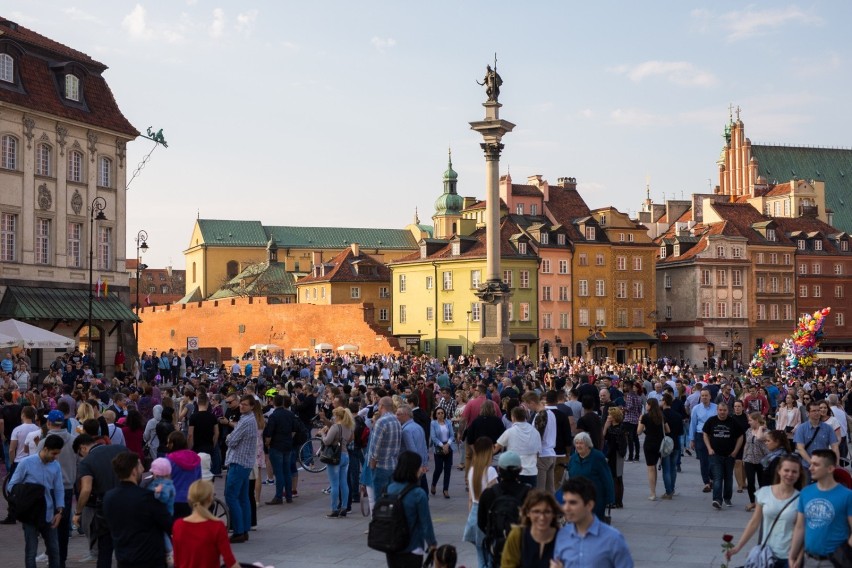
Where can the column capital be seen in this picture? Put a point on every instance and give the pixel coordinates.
(492, 151)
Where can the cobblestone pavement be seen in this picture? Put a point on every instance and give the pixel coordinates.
(685, 532)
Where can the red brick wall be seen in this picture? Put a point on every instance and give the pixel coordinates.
(240, 322)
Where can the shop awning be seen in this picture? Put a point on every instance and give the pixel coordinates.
(29, 303)
(621, 336)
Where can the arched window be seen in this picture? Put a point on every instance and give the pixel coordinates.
(75, 166)
(193, 273)
(9, 151)
(233, 268)
(44, 160)
(7, 68)
(105, 172)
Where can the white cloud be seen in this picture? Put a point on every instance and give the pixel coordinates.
(135, 24)
(245, 21)
(217, 27)
(678, 72)
(751, 23)
(382, 44)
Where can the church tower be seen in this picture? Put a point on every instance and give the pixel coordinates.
(448, 206)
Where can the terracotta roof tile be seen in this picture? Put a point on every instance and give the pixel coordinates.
(343, 269)
(565, 205)
(526, 190)
(478, 249)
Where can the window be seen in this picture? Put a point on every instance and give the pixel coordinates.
(402, 283)
(621, 289)
(456, 248)
(563, 294)
(164, 289)
(384, 292)
(430, 313)
(590, 233)
(638, 317)
(546, 321)
(314, 292)
(662, 251)
(773, 284)
(322, 292)
(761, 284)
(511, 307)
(544, 238)
(105, 172)
(621, 237)
(519, 208)
(838, 291)
(583, 317)
(563, 267)
(621, 317)
(722, 309)
(759, 257)
(104, 248)
(817, 244)
(7, 68)
(838, 268)
(583, 259)
(839, 320)
(788, 312)
(773, 258)
(507, 278)
(667, 281)
(475, 279)
(75, 166)
(800, 244)
(600, 317)
(668, 312)
(8, 237)
(599, 259)
(737, 311)
(42, 242)
(637, 263)
(152, 289)
(788, 285)
(72, 87)
(583, 288)
(706, 310)
(803, 268)
(533, 209)
(621, 263)
(427, 346)
(475, 311)
(787, 259)
(75, 232)
(816, 268)
(737, 252)
(676, 249)
(629, 237)
(844, 246)
(355, 292)
(603, 220)
(803, 291)
(737, 277)
(638, 290)
(770, 235)
(774, 312)
(560, 239)
(817, 291)
(563, 320)
(600, 287)
(430, 283)
(721, 277)
(448, 312)
(44, 159)
(383, 314)
(545, 266)
(9, 149)
(447, 280)
(525, 311)
(706, 278)
(761, 311)
(403, 317)
(720, 251)
(525, 278)
(546, 294)
(522, 248)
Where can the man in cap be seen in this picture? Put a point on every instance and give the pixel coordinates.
(490, 516)
(68, 463)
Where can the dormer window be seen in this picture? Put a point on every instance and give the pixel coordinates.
(72, 87)
(662, 251)
(7, 68)
(800, 243)
(560, 240)
(456, 248)
(676, 250)
(770, 235)
(522, 248)
(844, 246)
(817, 244)
(603, 220)
(519, 209)
(544, 238)
(590, 233)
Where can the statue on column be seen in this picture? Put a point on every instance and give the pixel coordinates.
(491, 83)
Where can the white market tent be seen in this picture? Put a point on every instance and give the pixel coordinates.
(7, 341)
(323, 347)
(265, 347)
(27, 335)
(348, 347)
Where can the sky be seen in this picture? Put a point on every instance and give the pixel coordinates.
(341, 113)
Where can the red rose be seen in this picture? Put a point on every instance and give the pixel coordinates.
(728, 537)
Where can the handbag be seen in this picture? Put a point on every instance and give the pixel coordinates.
(761, 556)
(667, 445)
(331, 454)
(365, 502)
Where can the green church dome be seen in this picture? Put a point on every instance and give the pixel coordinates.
(449, 204)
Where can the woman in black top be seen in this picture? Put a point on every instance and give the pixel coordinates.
(741, 418)
(653, 425)
(531, 544)
(486, 424)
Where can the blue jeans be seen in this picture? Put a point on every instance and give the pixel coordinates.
(670, 470)
(338, 477)
(7, 459)
(236, 496)
(381, 480)
(51, 542)
(703, 458)
(722, 468)
(443, 465)
(283, 476)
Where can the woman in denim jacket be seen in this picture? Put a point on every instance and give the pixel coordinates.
(416, 504)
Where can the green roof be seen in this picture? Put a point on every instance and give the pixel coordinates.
(264, 279)
(780, 164)
(193, 295)
(21, 302)
(254, 234)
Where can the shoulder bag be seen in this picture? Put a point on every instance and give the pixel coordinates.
(331, 454)
(667, 445)
(761, 556)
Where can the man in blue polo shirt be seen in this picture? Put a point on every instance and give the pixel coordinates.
(700, 414)
(814, 435)
(824, 520)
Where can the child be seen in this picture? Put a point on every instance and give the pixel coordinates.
(164, 489)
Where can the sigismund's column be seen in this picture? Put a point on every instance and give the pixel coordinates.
(493, 292)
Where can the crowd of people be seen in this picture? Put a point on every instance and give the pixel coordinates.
(541, 445)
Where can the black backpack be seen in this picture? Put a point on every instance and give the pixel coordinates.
(504, 512)
(389, 530)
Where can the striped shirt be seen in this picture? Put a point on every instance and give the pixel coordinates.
(242, 442)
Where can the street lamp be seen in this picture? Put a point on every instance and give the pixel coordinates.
(733, 335)
(467, 335)
(141, 247)
(96, 213)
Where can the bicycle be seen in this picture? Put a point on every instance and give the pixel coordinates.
(308, 455)
(220, 511)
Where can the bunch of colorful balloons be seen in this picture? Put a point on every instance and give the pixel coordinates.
(802, 346)
(763, 355)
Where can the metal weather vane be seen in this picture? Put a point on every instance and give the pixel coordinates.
(159, 140)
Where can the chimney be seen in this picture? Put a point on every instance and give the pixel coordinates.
(567, 182)
(356, 249)
(316, 258)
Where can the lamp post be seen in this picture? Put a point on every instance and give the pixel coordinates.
(96, 213)
(141, 247)
(733, 335)
(467, 336)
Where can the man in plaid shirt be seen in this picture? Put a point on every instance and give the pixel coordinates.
(240, 459)
(448, 403)
(385, 445)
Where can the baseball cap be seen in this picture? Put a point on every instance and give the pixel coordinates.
(55, 417)
(509, 459)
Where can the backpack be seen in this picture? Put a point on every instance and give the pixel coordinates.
(362, 433)
(389, 530)
(502, 514)
(540, 422)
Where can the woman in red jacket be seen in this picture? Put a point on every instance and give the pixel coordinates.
(201, 540)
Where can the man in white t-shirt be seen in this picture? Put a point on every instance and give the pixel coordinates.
(523, 439)
(22, 377)
(545, 423)
(18, 442)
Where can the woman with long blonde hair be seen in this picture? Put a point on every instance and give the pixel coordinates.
(480, 476)
(201, 540)
(341, 431)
